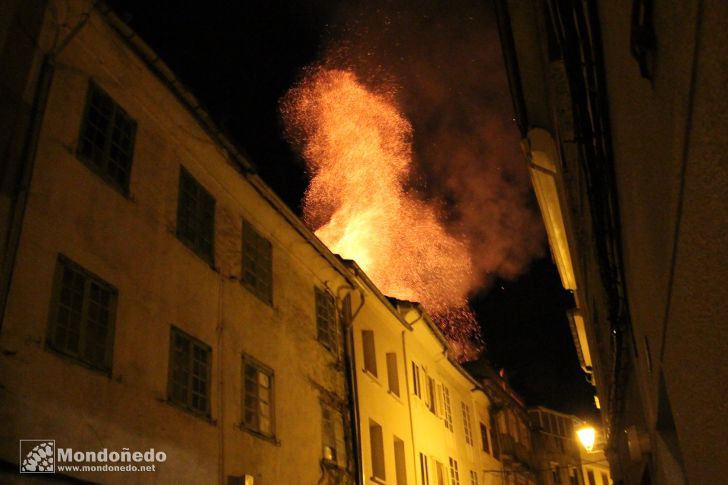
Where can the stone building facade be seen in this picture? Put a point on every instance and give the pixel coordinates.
(160, 296)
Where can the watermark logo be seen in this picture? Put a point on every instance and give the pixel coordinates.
(37, 456)
(42, 456)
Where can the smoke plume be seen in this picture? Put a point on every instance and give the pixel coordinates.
(441, 151)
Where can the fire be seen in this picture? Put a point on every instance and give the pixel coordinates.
(358, 149)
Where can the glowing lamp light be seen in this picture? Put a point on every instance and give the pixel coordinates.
(586, 436)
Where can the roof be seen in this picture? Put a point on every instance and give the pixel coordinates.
(234, 155)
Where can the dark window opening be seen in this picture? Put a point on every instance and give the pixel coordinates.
(370, 355)
(189, 373)
(257, 270)
(326, 320)
(82, 315)
(484, 437)
(106, 143)
(258, 410)
(334, 440)
(195, 216)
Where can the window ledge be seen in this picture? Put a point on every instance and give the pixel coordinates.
(122, 190)
(378, 480)
(331, 464)
(371, 376)
(254, 291)
(73, 359)
(202, 416)
(190, 247)
(395, 396)
(333, 352)
(270, 438)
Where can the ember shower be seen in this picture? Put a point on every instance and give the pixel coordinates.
(358, 148)
(413, 159)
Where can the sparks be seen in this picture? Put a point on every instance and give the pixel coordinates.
(358, 149)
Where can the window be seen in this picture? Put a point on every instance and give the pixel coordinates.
(416, 390)
(605, 479)
(502, 424)
(494, 438)
(513, 426)
(257, 268)
(448, 409)
(484, 437)
(473, 477)
(574, 478)
(535, 419)
(590, 476)
(189, 372)
(106, 144)
(426, 388)
(399, 461)
(326, 319)
(454, 474)
(334, 442)
(441, 476)
(376, 443)
(555, 475)
(392, 373)
(82, 315)
(432, 392)
(370, 356)
(195, 216)
(523, 435)
(440, 411)
(569, 429)
(467, 424)
(258, 415)
(424, 472)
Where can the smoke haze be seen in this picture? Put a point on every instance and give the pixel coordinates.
(440, 64)
(445, 59)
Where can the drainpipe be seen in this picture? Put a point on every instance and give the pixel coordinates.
(353, 394)
(29, 150)
(409, 404)
(30, 147)
(220, 392)
(409, 398)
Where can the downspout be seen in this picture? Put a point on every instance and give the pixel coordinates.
(409, 398)
(30, 148)
(353, 395)
(500, 452)
(409, 404)
(221, 393)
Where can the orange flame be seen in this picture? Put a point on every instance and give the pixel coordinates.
(357, 146)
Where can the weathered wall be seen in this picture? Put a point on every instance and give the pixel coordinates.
(130, 242)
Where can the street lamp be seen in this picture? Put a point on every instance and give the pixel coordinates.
(586, 435)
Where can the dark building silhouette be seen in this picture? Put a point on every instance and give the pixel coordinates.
(622, 109)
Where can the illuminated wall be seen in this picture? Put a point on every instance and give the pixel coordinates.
(130, 240)
(435, 408)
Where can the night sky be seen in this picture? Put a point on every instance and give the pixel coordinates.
(240, 58)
